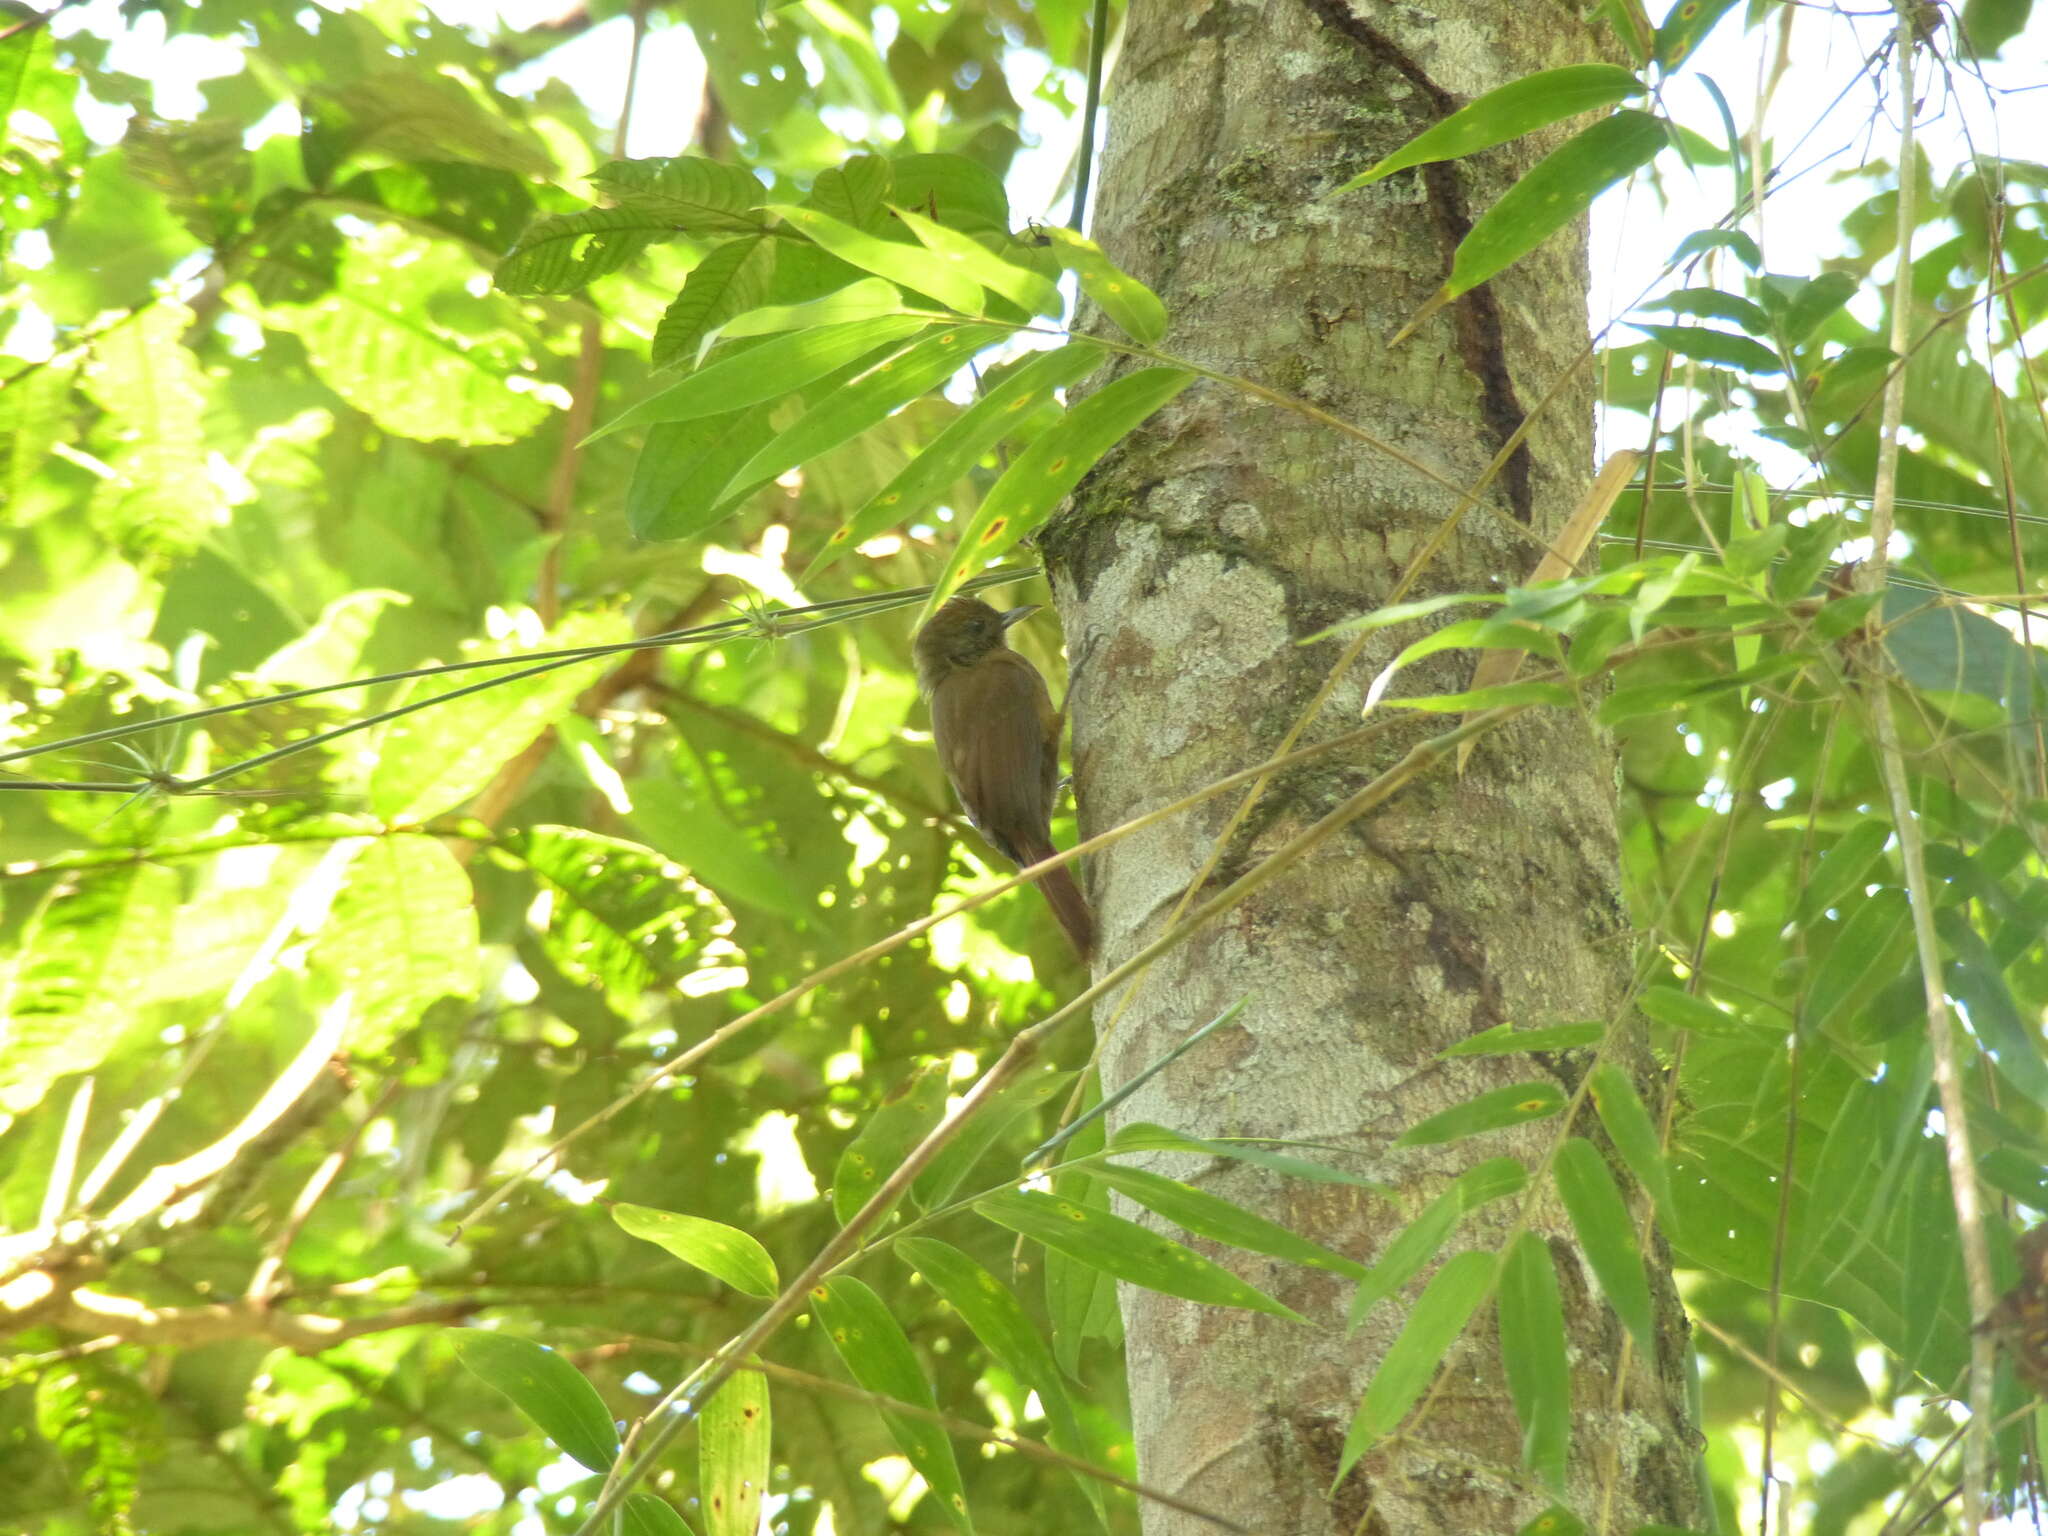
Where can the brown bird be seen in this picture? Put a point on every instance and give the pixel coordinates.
(999, 741)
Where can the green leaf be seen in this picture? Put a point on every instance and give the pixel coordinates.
(1558, 189)
(431, 761)
(723, 1252)
(1845, 867)
(1440, 1316)
(1044, 473)
(1519, 107)
(1516, 1104)
(1420, 1241)
(863, 401)
(690, 195)
(402, 933)
(1606, 1234)
(1556, 1521)
(1506, 1040)
(729, 281)
(879, 1357)
(648, 1514)
(999, 1321)
(855, 193)
(1868, 949)
(1532, 1349)
(1713, 304)
(862, 299)
(966, 440)
(1211, 1216)
(1499, 696)
(945, 1173)
(684, 464)
(1635, 1136)
(904, 1119)
(1744, 246)
(1683, 1010)
(734, 1439)
(550, 1391)
(1130, 305)
(75, 970)
(1719, 349)
(1028, 290)
(1977, 981)
(1401, 613)
(1142, 1136)
(907, 265)
(1683, 28)
(1125, 1250)
(766, 372)
(562, 252)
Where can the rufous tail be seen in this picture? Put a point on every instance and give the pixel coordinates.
(1067, 902)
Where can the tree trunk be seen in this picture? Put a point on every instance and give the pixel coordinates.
(1187, 568)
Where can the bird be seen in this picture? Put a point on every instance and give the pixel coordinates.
(998, 738)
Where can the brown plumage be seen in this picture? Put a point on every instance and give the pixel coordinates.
(999, 741)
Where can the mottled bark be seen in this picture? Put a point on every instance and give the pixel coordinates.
(1186, 570)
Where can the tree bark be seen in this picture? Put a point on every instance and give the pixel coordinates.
(1187, 568)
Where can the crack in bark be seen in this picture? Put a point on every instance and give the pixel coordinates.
(1475, 316)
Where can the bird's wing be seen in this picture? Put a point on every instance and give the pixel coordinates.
(995, 726)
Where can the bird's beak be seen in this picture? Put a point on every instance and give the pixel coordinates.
(1018, 615)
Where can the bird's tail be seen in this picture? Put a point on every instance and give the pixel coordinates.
(1066, 901)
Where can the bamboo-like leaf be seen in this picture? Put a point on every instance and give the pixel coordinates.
(682, 465)
(904, 1119)
(550, 1391)
(1870, 947)
(1440, 1315)
(1419, 1241)
(1519, 107)
(1559, 1521)
(966, 440)
(1125, 1250)
(1045, 472)
(1607, 1234)
(1683, 1010)
(1687, 22)
(1713, 304)
(1844, 867)
(864, 401)
(1635, 1137)
(879, 1357)
(1211, 1216)
(862, 299)
(648, 1514)
(1142, 1136)
(1532, 1349)
(733, 1442)
(1978, 982)
(1718, 349)
(1499, 696)
(767, 372)
(998, 1319)
(1028, 290)
(1744, 246)
(935, 1186)
(1130, 305)
(911, 266)
(1506, 1040)
(1516, 1104)
(1558, 189)
(724, 1252)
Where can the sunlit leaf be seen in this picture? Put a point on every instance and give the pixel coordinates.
(734, 1441)
(911, 266)
(723, 1252)
(902, 1120)
(1439, 1317)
